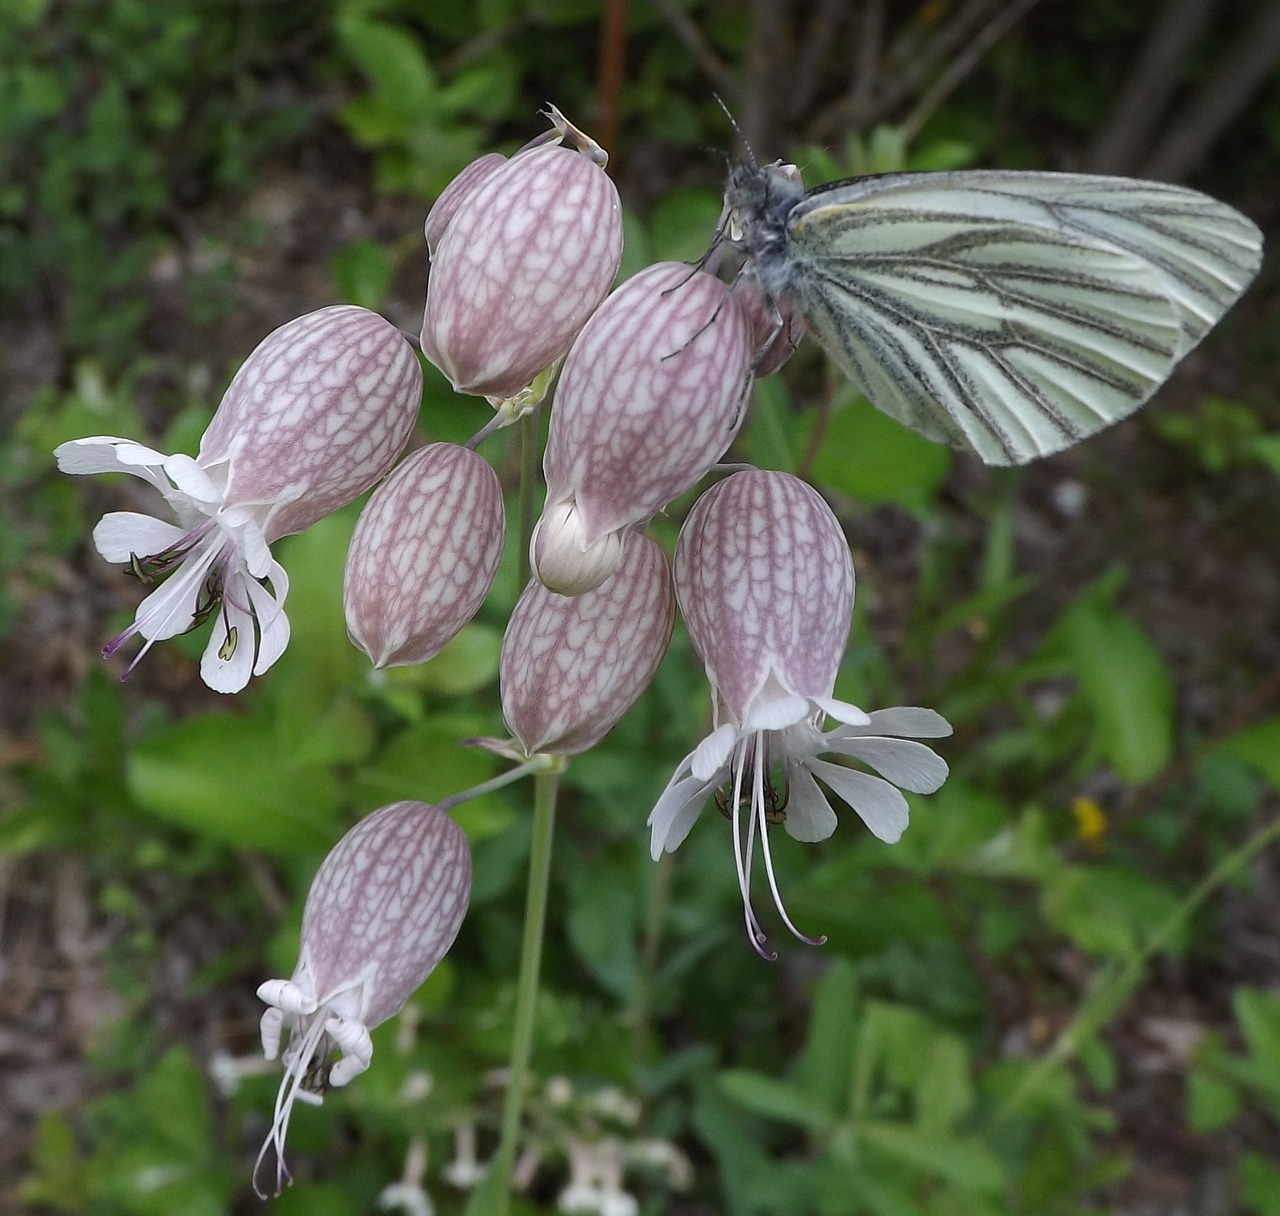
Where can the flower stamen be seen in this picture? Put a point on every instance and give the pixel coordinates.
(743, 853)
(292, 1088)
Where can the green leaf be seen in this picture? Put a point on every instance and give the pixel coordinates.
(867, 455)
(966, 1163)
(223, 777)
(362, 273)
(944, 1092)
(1127, 685)
(772, 426)
(683, 224)
(1267, 449)
(603, 924)
(1259, 1016)
(173, 1099)
(1258, 746)
(1108, 910)
(425, 762)
(1212, 1103)
(762, 1095)
(828, 1050)
(392, 59)
(1260, 1184)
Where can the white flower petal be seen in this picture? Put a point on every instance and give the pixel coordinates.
(121, 535)
(256, 551)
(712, 754)
(842, 711)
(908, 764)
(227, 662)
(106, 454)
(273, 625)
(809, 814)
(880, 805)
(907, 721)
(192, 480)
(675, 812)
(776, 713)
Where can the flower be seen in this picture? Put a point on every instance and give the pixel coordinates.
(595, 1180)
(524, 251)
(316, 414)
(423, 555)
(571, 667)
(383, 910)
(652, 394)
(764, 580)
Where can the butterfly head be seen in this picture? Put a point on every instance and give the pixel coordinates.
(758, 200)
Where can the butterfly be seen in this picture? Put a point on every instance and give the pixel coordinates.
(1010, 313)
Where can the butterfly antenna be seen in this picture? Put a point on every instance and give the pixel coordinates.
(733, 122)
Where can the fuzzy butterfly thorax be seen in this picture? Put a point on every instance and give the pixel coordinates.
(759, 200)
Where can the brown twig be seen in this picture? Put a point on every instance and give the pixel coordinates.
(768, 48)
(819, 36)
(1244, 66)
(712, 67)
(913, 62)
(613, 49)
(1150, 85)
(964, 64)
(866, 74)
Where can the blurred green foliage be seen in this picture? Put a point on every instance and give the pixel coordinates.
(113, 115)
(884, 1074)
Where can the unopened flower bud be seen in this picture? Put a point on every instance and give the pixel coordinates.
(455, 194)
(525, 258)
(561, 557)
(423, 555)
(383, 910)
(651, 395)
(571, 667)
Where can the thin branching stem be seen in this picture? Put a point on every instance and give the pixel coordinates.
(1114, 985)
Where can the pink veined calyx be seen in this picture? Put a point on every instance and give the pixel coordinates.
(764, 580)
(652, 394)
(423, 555)
(316, 414)
(522, 252)
(572, 666)
(383, 910)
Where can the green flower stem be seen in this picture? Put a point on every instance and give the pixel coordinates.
(1113, 985)
(535, 915)
(541, 762)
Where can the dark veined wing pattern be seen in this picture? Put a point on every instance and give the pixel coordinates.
(1013, 313)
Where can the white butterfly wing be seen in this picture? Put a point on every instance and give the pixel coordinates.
(1013, 313)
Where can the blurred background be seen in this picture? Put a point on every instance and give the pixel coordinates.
(1059, 993)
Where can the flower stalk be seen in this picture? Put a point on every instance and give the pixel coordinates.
(546, 786)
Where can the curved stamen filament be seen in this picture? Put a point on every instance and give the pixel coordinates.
(291, 1089)
(759, 807)
(742, 854)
